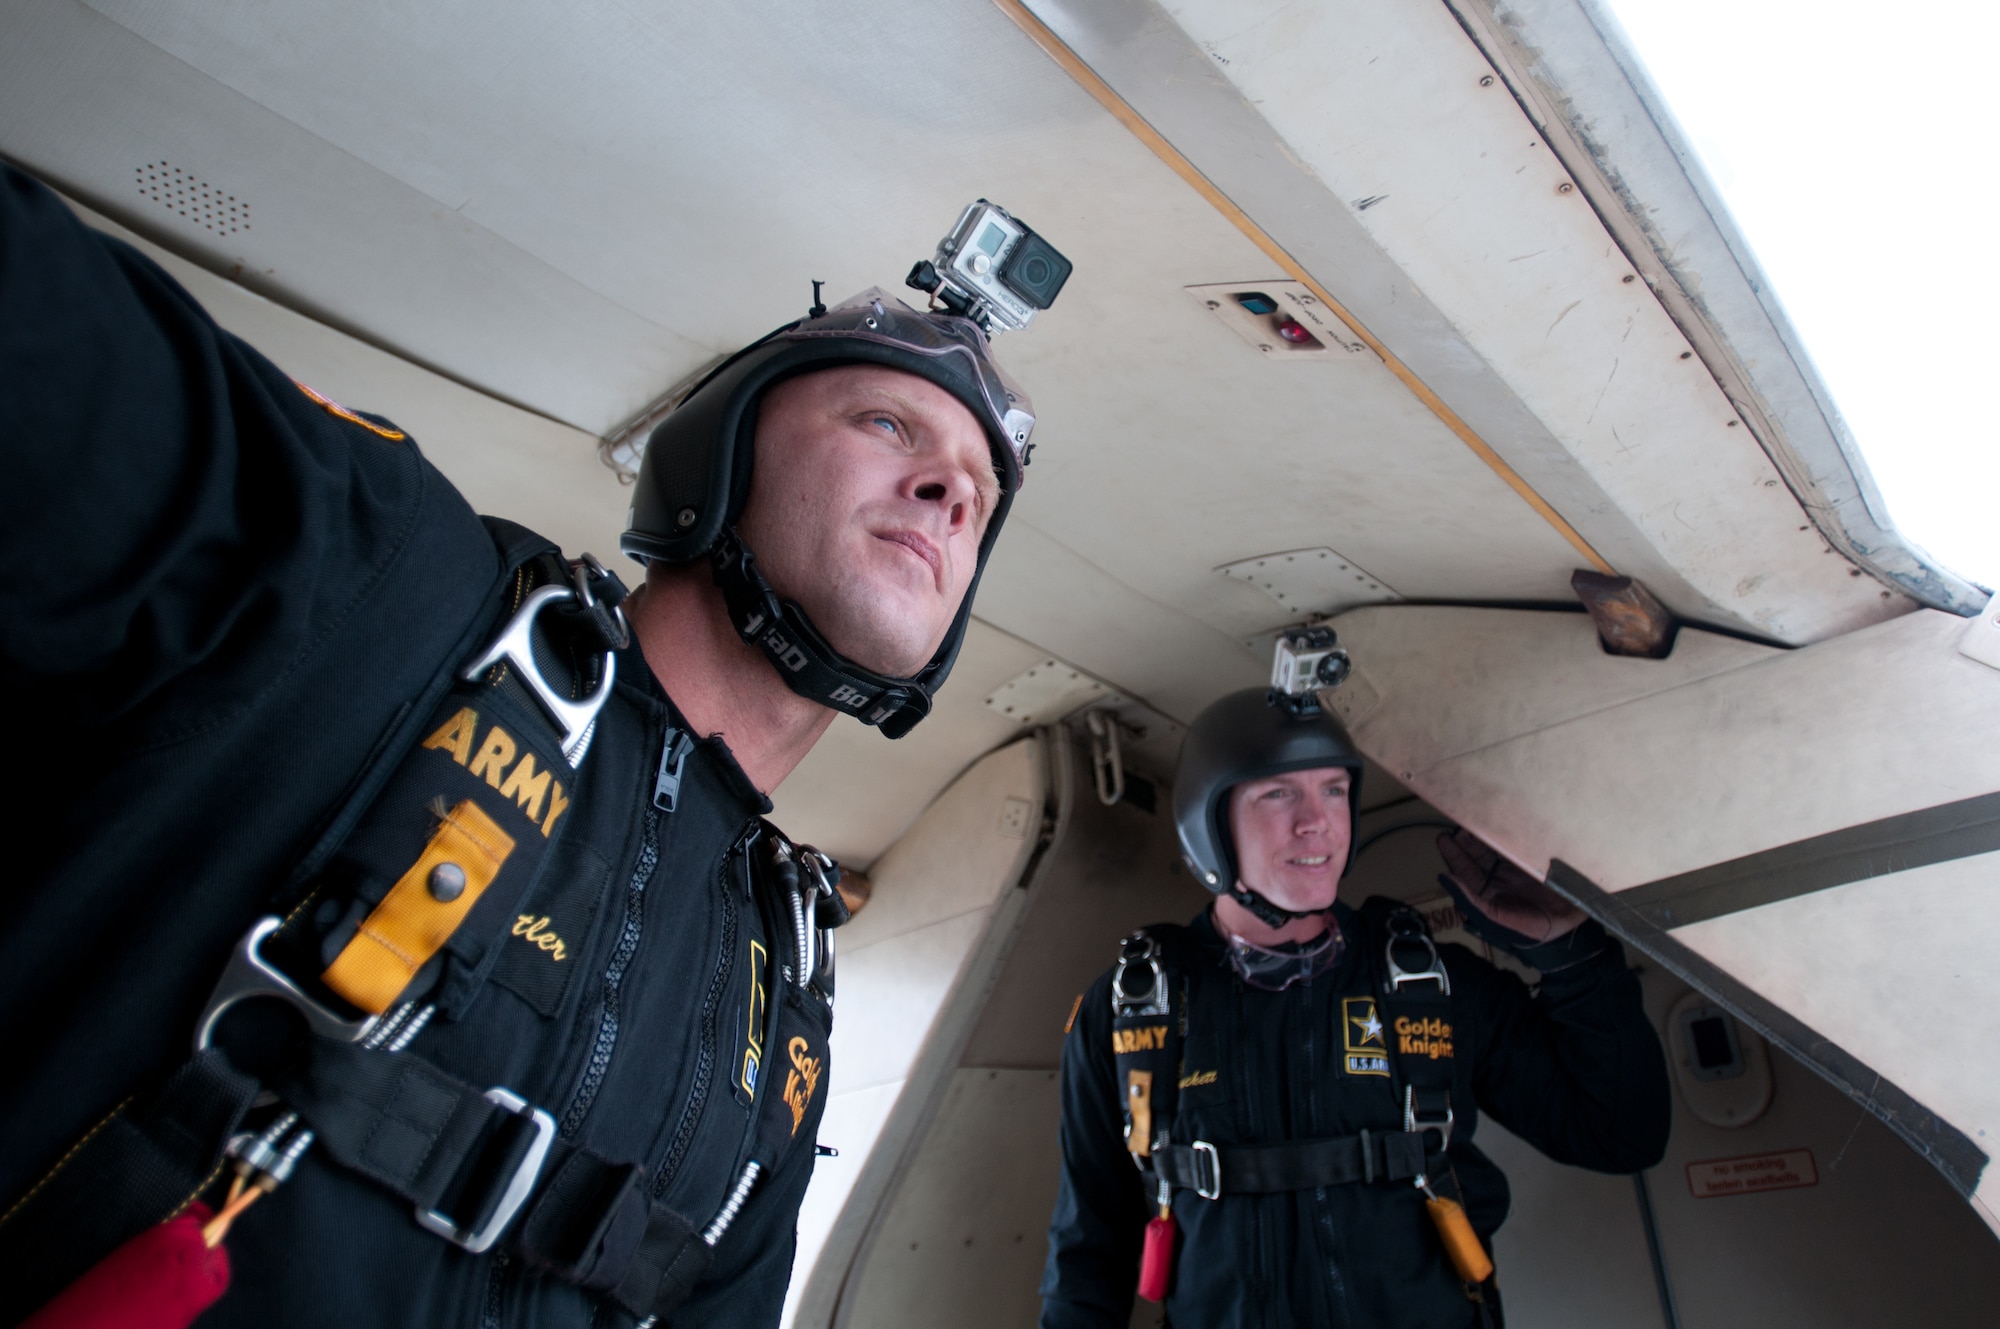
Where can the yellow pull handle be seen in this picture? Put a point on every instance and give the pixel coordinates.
(1461, 1243)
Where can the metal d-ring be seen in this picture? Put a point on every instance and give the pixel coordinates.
(249, 975)
(515, 644)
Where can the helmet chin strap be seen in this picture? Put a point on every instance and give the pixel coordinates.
(809, 666)
(1271, 914)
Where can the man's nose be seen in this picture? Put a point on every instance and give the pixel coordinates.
(947, 489)
(1313, 816)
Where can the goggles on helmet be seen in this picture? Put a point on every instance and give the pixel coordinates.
(1275, 968)
(876, 316)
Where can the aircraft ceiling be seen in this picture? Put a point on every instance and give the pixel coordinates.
(572, 207)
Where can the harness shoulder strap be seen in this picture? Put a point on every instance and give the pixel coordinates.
(1148, 1026)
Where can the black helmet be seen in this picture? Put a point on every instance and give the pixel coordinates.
(1249, 735)
(695, 480)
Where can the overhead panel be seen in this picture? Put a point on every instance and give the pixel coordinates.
(1308, 583)
(1458, 244)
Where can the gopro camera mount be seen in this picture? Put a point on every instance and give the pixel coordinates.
(1306, 661)
(992, 269)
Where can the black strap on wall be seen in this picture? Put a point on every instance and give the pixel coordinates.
(1909, 840)
(1949, 1149)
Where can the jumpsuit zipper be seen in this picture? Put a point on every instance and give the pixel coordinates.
(614, 980)
(704, 1066)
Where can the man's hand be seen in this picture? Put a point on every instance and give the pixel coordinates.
(1504, 893)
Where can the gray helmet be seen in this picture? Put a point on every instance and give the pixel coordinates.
(695, 480)
(1249, 735)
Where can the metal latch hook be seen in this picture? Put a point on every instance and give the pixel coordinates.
(515, 644)
(249, 975)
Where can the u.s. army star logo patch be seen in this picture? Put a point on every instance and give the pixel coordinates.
(1361, 1034)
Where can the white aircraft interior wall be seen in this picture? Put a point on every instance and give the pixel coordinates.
(910, 970)
(1876, 1237)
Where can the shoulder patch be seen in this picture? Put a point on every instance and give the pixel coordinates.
(333, 407)
(1367, 1051)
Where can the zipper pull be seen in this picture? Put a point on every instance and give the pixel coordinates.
(673, 757)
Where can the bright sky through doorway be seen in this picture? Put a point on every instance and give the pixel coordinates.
(1854, 146)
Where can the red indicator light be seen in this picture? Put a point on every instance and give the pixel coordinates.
(1294, 332)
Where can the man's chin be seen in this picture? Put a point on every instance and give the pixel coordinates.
(876, 644)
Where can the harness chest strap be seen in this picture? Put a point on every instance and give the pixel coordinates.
(448, 1147)
(1366, 1157)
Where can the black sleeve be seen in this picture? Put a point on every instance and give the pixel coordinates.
(1100, 1217)
(163, 481)
(1575, 1069)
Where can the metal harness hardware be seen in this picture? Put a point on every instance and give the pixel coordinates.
(1135, 951)
(1405, 928)
(1415, 1118)
(1208, 1170)
(248, 976)
(520, 1184)
(516, 646)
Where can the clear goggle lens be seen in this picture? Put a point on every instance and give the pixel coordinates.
(1275, 968)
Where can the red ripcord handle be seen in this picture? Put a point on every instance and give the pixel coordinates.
(161, 1279)
(1156, 1265)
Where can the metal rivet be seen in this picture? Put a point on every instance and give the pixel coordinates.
(684, 518)
(1565, 187)
(447, 882)
(1486, 80)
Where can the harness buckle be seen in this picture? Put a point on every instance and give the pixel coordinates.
(1208, 1177)
(1414, 1120)
(248, 975)
(515, 645)
(1405, 927)
(1135, 951)
(519, 1185)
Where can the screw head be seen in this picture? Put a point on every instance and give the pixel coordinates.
(1485, 80)
(447, 882)
(1687, 355)
(1629, 277)
(684, 518)
(1565, 188)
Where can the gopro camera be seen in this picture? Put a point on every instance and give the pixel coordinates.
(993, 270)
(1307, 660)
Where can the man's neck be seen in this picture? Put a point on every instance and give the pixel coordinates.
(721, 684)
(1233, 920)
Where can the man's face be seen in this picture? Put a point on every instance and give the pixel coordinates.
(1291, 833)
(871, 492)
